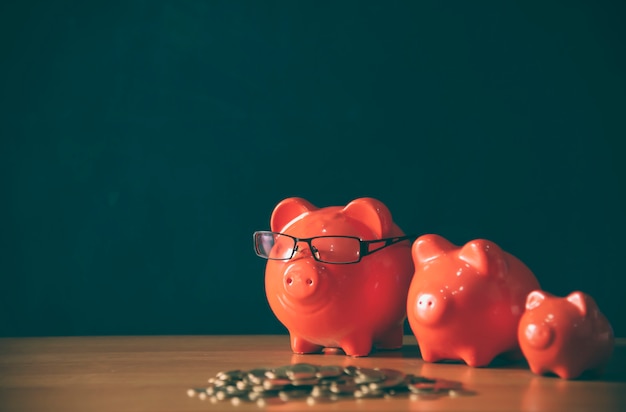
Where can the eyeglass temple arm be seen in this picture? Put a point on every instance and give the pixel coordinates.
(365, 250)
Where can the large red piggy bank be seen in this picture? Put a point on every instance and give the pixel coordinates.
(337, 276)
(566, 336)
(465, 302)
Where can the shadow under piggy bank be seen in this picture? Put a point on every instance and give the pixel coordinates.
(339, 357)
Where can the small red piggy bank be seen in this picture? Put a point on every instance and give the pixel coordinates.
(337, 276)
(566, 336)
(465, 302)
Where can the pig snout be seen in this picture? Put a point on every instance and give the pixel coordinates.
(538, 335)
(430, 308)
(301, 281)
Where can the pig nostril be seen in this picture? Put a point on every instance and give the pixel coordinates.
(430, 303)
(289, 281)
(309, 282)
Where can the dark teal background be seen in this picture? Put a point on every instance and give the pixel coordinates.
(142, 142)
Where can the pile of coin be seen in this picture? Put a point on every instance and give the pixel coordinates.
(316, 384)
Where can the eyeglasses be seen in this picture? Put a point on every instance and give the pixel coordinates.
(325, 249)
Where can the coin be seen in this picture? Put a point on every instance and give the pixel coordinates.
(229, 375)
(287, 395)
(350, 370)
(344, 387)
(304, 382)
(300, 371)
(329, 371)
(393, 378)
(256, 376)
(320, 391)
(277, 383)
(368, 375)
(278, 373)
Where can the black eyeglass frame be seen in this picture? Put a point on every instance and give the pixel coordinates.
(364, 249)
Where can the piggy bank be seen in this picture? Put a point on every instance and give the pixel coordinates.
(465, 303)
(337, 277)
(565, 336)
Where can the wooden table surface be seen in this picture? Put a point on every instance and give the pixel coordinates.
(153, 373)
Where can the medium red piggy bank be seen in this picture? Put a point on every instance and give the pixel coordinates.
(465, 302)
(337, 276)
(565, 336)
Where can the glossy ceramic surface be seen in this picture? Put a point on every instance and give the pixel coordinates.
(566, 336)
(355, 307)
(465, 302)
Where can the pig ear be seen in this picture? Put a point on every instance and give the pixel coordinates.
(579, 300)
(534, 299)
(373, 213)
(287, 210)
(428, 247)
(484, 256)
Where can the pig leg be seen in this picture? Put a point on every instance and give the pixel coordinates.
(357, 345)
(392, 339)
(565, 373)
(538, 369)
(475, 359)
(429, 355)
(299, 345)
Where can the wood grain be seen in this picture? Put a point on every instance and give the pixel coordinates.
(153, 373)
